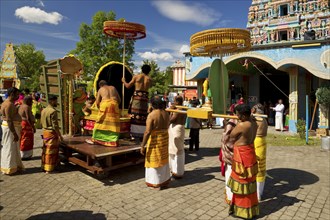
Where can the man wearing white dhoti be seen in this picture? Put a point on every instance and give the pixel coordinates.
(176, 134)
(11, 161)
(155, 146)
(279, 109)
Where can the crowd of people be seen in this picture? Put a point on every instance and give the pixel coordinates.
(160, 134)
(21, 114)
(28, 113)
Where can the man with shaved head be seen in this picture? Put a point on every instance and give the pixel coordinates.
(107, 125)
(155, 145)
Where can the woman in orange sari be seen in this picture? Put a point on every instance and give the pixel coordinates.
(28, 129)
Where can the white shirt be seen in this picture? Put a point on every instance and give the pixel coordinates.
(279, 109)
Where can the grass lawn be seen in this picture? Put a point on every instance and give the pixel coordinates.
(288, 140)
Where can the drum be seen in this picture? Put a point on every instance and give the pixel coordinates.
(125, 127)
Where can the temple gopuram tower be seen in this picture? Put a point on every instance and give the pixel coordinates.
(180, 85)
(275, 21)
(8, 73)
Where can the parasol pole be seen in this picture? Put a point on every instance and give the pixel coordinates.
(123, 87)
(122, 29)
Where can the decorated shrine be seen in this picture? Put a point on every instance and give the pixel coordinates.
(9, 72)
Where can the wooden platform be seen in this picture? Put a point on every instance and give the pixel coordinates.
(100, 159)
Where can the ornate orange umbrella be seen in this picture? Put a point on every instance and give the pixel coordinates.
(124, 30)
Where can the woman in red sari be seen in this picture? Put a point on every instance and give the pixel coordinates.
(28, 129)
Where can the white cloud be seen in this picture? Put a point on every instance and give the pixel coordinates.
(156, 56)
(38, 16)
(41, 31)
(223, 23)
(166, 51)
(163, 44)
(184, 49)
(40, 3)
(188, 11)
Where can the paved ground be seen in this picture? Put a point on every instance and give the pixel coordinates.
(297, 188)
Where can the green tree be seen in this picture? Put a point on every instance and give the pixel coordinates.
(159, 78)
(169, 76)
(29, 61)
(95, 48)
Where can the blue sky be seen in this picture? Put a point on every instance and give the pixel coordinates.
(53, 25)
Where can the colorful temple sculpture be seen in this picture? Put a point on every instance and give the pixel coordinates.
(289, 59)
(9, 72)
(288, 20)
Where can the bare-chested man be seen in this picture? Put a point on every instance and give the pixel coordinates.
(176, 134)
(107, 126)
(11, 131)
(260, 146)
(28, 129)
(138, 108)
(155, 145)
(242, 180)
(106, 92)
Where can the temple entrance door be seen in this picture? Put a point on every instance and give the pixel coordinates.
(268, 92)
(7, 83)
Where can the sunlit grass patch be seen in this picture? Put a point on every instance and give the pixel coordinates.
(288, 140)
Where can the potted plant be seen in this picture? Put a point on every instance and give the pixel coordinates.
(301, 128)
(323, 98)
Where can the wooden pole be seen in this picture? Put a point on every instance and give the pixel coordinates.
(315, 105)
(123, 87)
(307, 115)
(215, 115)
(66, 115)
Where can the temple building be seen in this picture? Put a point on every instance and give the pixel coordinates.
(289, 58)
(180, 84)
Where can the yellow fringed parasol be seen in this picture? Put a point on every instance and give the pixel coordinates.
(219, 42)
